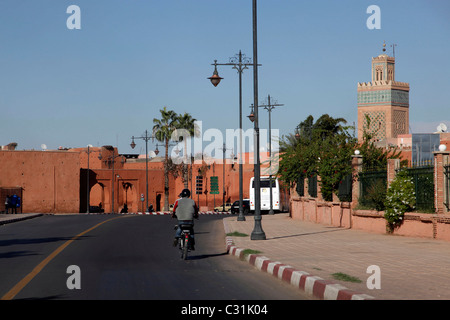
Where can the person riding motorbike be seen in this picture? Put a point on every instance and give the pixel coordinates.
(185, 210)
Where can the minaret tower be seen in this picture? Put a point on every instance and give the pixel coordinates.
(383, 103)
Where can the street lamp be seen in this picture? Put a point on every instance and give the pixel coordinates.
(269, 107)
(251, 116)
(257, 233)
(297, 132)
(146, 138)
(239, 62)
(215, 79)
(224, 149)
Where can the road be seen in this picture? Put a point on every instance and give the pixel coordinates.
(127, 258)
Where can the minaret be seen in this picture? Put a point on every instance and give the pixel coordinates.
(383, 103)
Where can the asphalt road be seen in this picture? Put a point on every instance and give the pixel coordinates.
(126, 258)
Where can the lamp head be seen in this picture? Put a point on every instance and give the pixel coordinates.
(215, 79)
(252, 115)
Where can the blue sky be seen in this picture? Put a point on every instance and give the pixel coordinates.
(106, 82)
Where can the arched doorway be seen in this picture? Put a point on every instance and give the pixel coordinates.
(97, 197)
(128, 197)
(158, 202)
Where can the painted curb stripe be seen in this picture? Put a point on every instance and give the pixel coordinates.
(312, 285)
(161, 213)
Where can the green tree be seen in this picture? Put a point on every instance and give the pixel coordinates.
(334, 165)
(323, 147)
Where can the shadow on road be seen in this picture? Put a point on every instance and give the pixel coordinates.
(205, 256)
(11, 242)
(310, 233)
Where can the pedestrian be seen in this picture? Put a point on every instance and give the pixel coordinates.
(13, 203)
(7, 203)
(18, 203)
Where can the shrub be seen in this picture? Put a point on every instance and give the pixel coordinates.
(400, 198)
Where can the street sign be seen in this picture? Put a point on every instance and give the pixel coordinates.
(214, 183)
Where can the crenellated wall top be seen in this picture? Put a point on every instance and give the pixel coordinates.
(384, 83)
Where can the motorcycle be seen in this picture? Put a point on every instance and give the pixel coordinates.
(185, 240)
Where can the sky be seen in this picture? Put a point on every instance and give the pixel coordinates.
(106, 82)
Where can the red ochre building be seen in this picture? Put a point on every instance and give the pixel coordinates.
(56, 181)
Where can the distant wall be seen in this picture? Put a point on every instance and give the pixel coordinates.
(423, 225)
(328, 213)
(50, 180)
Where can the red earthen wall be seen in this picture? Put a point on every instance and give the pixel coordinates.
(50, 180)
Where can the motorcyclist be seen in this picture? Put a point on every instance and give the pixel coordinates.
(185, 210)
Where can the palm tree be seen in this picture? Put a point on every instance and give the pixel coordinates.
(163, 129)
(289, 141)
(328, 126)
(190, 129)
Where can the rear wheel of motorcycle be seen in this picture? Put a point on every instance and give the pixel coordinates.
(185, 249)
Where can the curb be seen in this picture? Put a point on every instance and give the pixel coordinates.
(20, 218)
(162, 213)
(312, 285)
(24, 216)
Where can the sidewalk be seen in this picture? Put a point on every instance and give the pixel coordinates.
(8, 218)
(307, 254)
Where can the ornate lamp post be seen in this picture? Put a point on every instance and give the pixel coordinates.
(239, 62)
(257, 233)
(224, 149)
